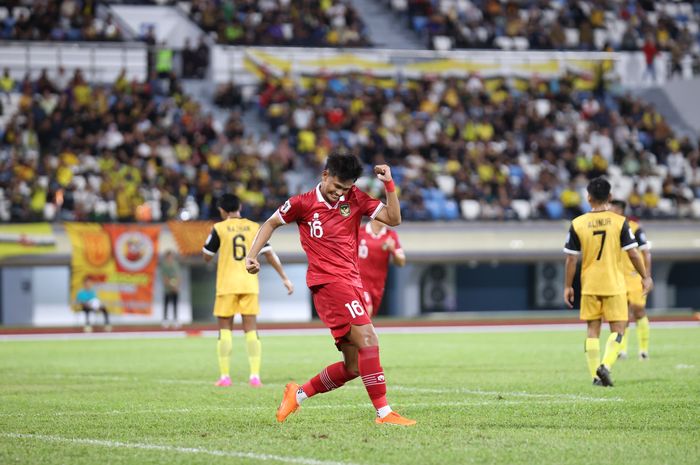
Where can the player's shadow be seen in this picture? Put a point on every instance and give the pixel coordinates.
(634, 382)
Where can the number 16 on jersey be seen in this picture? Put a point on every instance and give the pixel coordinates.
(355, 309)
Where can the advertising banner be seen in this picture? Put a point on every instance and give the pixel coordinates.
(121, 262)
(26, 239)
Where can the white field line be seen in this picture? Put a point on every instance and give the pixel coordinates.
(505, 328)
(175, 449)
(305, 406)
(390, 387)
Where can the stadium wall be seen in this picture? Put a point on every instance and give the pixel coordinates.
(452, 267)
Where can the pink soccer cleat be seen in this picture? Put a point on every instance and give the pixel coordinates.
(224, 381)
(255, 382)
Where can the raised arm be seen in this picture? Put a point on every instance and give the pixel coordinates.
(274, 260)
(390, 215)
(261, 238)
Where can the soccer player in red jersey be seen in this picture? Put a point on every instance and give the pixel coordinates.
(328, 218)
(378, 245)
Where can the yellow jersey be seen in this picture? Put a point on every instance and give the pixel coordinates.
(232, 238)
(641, 239)
(600, 237)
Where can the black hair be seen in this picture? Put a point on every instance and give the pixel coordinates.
(344, 167)
(229, 203)
(621, 204)
(599, 189)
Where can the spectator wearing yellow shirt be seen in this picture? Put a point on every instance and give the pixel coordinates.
(650, 202)
(571, 201)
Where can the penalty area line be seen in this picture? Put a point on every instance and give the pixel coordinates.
(175, 449)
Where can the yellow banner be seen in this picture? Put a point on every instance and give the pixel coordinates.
(26, 239)
(120, 259)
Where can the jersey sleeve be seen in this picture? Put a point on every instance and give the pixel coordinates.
(573, 244)
(641, 238)
(369, 206)
(627, 239)
(211, 246)
(291, 210)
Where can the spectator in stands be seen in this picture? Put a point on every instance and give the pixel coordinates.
(7, 83)
(229, 96)
(650, 52)
(328, 23)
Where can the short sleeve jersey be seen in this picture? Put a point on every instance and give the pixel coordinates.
(232, 238)
(374, 256)
(600, 238)
(328, 233)
(644, 244)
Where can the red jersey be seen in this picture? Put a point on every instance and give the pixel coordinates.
(328, 233)
(374, 256)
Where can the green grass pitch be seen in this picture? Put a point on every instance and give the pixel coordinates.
(503, 398)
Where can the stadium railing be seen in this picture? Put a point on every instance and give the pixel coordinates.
(100, 62)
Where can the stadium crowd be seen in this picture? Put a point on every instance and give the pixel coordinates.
(130, 151)
(304, 23)
(484, 145)
(558, 24)
(70, 20)
(460, 147)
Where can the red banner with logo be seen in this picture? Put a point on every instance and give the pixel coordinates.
(120, 259)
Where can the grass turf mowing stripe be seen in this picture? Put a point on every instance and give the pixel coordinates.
(323, 406)
(456, 329)
(410, 389)
(176, 449)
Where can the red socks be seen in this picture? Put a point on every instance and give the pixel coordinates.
(373, 375)
(332, 377)
(336, 375)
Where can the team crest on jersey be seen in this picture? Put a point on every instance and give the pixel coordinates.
(345, 209)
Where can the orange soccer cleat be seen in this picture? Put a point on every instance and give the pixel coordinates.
(289, 402)
(395, 419)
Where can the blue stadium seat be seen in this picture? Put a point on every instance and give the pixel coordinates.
(433, 208)
(555, 210)
(451, 210)
(420, 23)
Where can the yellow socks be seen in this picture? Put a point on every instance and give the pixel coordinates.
(623, 344)
(254, 352)
(223, 347)
(612, 349)
(592, 355)
(643, 334)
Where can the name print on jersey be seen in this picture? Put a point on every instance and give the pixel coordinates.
(599, 222)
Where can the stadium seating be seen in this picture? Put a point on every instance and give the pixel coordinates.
(104, 161)
(552, 25)
(62, 20)
(454, 144)
(333, 23)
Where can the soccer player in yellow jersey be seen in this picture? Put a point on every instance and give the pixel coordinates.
(600, 237)
(636, 299)
(237, 290)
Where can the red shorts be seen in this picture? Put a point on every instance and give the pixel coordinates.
(373, 298)
(339, 305)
